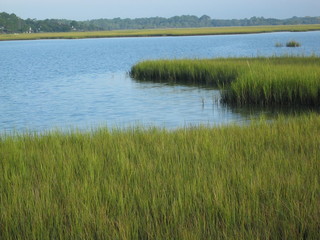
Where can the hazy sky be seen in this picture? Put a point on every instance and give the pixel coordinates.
(218, 9)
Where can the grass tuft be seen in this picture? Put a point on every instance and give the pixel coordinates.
(293, 44)
(278, 44)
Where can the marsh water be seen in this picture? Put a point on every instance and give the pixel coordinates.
(63, 84)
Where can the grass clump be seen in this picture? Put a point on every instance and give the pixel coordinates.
(260, 81)
(293, 44)
(278, 44)
(254, 182)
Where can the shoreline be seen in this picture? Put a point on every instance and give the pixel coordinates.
(275, 81)
(171, 32)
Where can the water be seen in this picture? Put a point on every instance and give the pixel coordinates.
(48, 84)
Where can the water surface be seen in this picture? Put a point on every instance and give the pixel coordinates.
(47, 84)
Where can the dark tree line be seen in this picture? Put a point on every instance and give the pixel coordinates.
(10, 23)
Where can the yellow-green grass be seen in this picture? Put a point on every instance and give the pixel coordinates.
(259, 181)
(261, 81)
(161, 32)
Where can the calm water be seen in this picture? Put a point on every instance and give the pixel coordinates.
(65, 84)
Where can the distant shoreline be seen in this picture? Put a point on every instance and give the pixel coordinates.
(170, 32)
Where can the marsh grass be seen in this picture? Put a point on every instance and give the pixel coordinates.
(293, 43)
(259, 181)
(278, 44)
(261, 81)
(202, 72)
(161, 32)
(278, 81)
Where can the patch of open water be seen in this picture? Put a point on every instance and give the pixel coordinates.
(48, 84)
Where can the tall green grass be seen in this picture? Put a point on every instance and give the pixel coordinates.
(201, 71)
(259, 181)
(278, 81)
(260, 81)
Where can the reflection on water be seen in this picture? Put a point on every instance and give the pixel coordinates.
(50, 84)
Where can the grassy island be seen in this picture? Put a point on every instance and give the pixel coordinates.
(259, 181)
(257, 81)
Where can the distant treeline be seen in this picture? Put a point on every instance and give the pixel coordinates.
(10, 23)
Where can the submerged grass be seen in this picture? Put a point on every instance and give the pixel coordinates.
(259, 181)
(161, 32)
(261, 81)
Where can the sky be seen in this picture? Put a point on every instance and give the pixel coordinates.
(216, 9)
